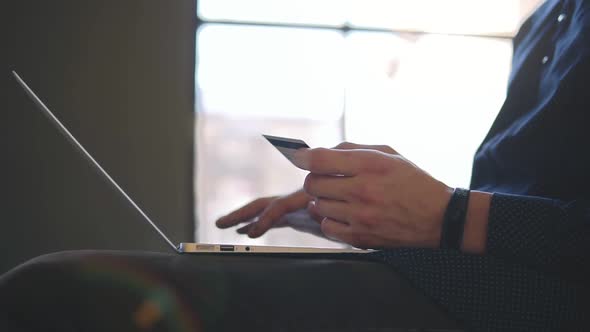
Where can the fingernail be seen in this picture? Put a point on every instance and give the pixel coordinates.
(311, 206)
(301, 158)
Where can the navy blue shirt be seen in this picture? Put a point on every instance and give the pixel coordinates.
(538, 148)
(535, 274)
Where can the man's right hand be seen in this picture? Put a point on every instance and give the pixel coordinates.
(265, 213)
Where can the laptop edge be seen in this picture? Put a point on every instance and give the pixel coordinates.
(182, 247)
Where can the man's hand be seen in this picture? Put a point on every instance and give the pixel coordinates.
(269, 212)
(374, 199)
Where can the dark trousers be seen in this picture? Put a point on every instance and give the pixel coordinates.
(144, 291)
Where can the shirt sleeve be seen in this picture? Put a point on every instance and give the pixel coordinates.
(546, 234)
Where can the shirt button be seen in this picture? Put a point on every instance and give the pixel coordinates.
(561, 17)
(545, 59)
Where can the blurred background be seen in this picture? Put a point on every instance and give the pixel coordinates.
(120, 75)
(426, 77)
(172, 98)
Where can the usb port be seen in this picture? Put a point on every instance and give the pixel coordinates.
(226, 247)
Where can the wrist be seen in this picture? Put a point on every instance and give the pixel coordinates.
(451, 236)
(476, 223)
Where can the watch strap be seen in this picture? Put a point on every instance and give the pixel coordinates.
(454, 220)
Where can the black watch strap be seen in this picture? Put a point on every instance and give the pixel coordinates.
(454, 220)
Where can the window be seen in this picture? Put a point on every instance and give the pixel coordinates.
(424, 76)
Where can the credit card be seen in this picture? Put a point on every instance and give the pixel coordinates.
(286, 146)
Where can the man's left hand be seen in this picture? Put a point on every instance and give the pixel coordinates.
(374, 199)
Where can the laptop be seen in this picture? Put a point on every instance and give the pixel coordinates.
(184, 247)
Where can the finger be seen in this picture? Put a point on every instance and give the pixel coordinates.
(244, 213)
(327, 186)
(312, 213)
(336, 210)
(244, 229)
(351, 146)
(272, 214)
(333, 161)
(336, 230)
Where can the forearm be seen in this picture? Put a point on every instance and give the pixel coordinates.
(547, 234)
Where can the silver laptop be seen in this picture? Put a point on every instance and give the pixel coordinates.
(182, 247)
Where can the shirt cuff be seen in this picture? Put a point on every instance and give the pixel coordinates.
(535, 231)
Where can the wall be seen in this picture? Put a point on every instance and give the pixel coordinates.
(120, 75)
